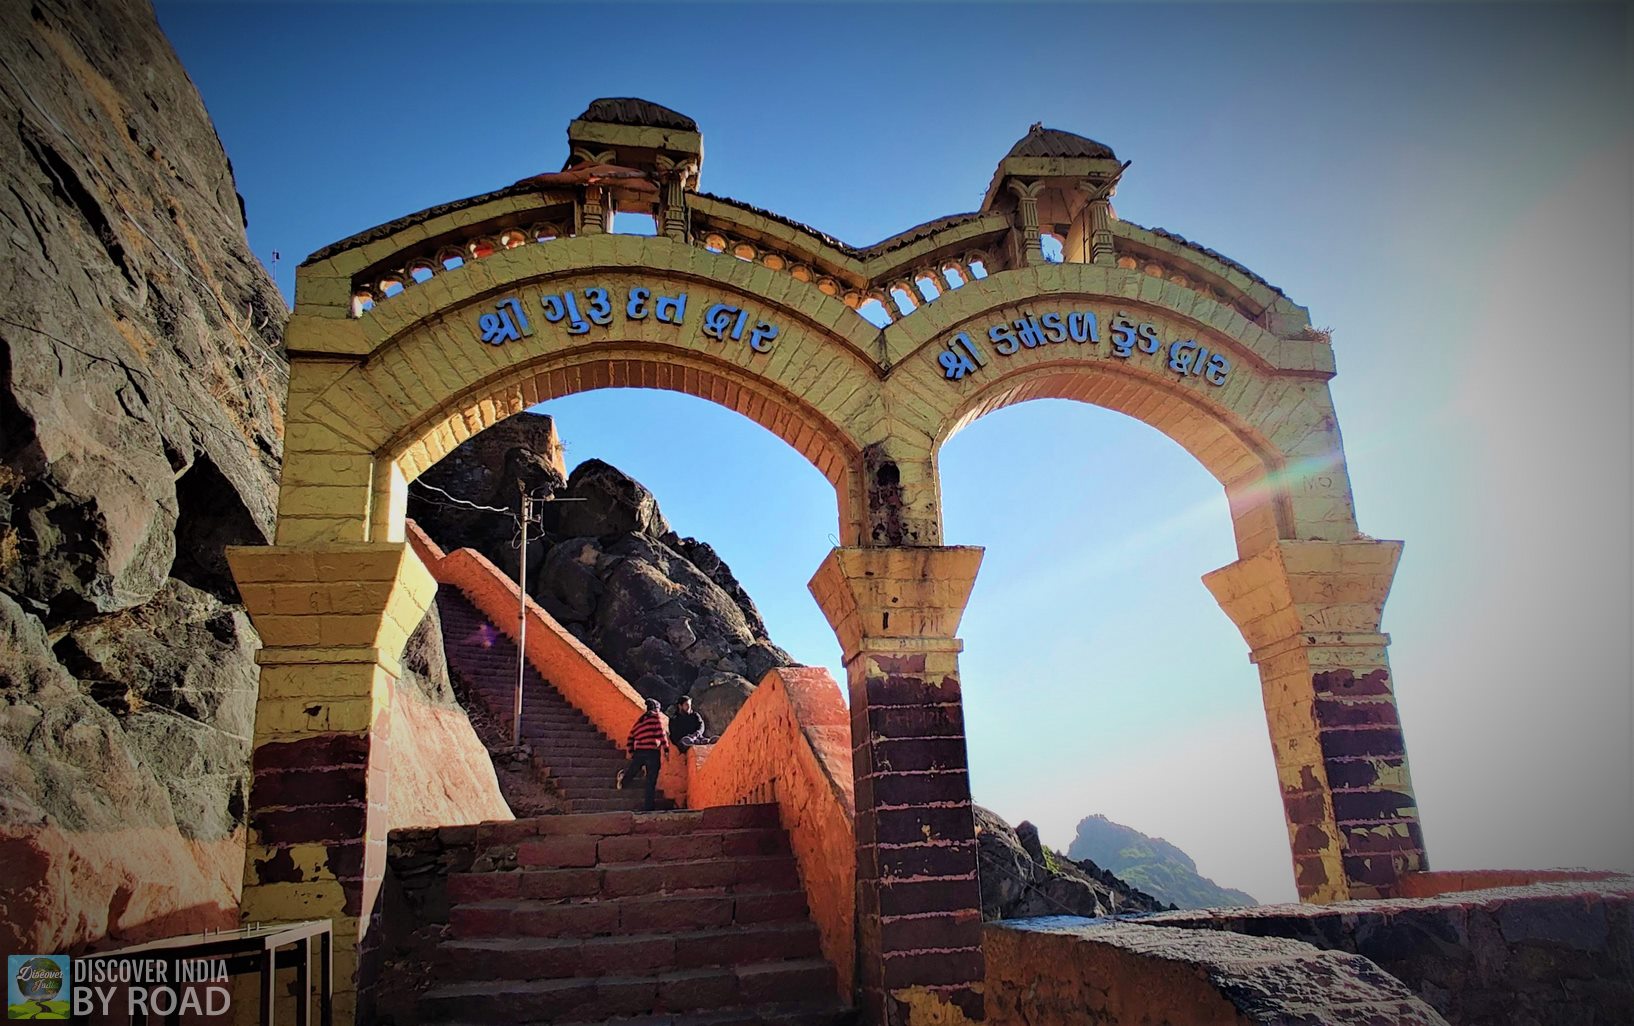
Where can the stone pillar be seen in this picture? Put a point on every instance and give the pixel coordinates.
(673, 220)
(1310, 612)
(1099, 215)
(919, 927)
(333, 621)
(592, 211)
(1032, 248)
(1100, 232)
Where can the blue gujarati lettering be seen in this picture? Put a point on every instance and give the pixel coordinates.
(564, 306)
(722, 321)
(506, 324)
(961, 357)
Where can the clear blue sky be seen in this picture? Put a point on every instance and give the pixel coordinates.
(1447, 187)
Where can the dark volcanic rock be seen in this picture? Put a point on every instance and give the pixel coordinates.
(141, 418)
(607, 501)
(179, 673)
(1020, 878)
(666, 612)
(425, 667)
(92, 839)
(120, 371)
(492, 469)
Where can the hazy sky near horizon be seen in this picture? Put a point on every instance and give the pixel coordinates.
(1446, 186)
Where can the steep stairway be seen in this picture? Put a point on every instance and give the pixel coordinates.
(568, 751)
(690, 918)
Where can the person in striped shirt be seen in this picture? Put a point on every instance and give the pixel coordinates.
(648, 746)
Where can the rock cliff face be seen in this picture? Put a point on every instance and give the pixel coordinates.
(141, 422)
(1020, 878)
(1151, 863)
(141, 395)
(664, 611)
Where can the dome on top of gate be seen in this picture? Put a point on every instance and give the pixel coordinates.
(630, 110)
(1052, 142)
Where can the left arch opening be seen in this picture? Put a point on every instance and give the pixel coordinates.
(428, 439)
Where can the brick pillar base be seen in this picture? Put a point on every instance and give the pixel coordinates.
(1310, 612)
(333, 622)
(919, 930)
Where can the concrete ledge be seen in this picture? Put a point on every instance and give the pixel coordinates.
(1065, 969)
(1547, 954)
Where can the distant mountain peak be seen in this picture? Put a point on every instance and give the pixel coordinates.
(1152, 864)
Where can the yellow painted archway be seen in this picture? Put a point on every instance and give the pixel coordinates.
(412, 337)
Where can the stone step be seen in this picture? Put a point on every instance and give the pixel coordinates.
(528, 958)
(589, 741)
(633, 804)
(604, 771)
(574, 752)
(811, 1013)
(614, 854)
(721, 817)
(600, 998)
(564, 718)
(751, 902)
(651, 910)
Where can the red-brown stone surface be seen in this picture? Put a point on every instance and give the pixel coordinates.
(791, 744)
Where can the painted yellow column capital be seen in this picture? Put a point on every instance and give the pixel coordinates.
(338, 603)
(1307, 587)
(902, 598)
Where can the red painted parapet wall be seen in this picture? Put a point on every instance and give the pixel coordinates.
(791, 743)
(589, 684)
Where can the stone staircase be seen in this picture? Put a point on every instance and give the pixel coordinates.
(568, 752)
(605, 914)
(691, 918)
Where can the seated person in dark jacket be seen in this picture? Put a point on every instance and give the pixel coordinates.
(686, 728)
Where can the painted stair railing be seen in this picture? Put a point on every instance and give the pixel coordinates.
(568, 753)
(579, 677)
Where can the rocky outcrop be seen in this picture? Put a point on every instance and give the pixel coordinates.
(664, 611)
(1020, 878)
(90, 835)
(1152, 864)
(141, 393)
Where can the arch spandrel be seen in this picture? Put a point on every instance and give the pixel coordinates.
(425, 381)
(1266, 430)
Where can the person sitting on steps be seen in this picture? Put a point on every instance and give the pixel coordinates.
(687, 728)
(648, 747)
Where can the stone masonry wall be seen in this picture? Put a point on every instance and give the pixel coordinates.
(791, 744)
(1067, 970)
(1553, 954)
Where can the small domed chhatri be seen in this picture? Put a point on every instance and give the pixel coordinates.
(1058, 184)
(1052, 142)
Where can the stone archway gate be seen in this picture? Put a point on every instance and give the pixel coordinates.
(412, 337)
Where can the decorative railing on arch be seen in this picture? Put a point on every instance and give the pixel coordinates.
(421, 264)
